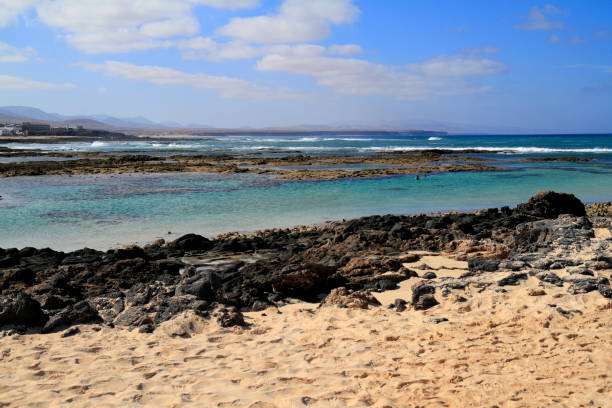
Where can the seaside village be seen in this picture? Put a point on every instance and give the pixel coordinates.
(32, 129)
(26, 129)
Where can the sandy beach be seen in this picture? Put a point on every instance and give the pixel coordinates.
(512, 349)
(305, 204)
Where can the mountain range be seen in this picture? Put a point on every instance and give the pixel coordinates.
(99, 121)
(18, 114)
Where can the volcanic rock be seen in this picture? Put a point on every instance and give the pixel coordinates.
(19, 309)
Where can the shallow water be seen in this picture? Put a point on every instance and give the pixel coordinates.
(102, 211)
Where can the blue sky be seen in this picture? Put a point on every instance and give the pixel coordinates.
(230, 63)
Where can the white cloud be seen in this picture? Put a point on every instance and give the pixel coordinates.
(227, 87)
(198, 44)
(207, 48)
(296, 21)
(10, 82)
(439, 76)
(171, 28)
(11, 9)
(229, 4)
(119, 25)
(96, 26)
(108, 26)
(346, 49)
(458, 66)
(538, 19)
(8, 53)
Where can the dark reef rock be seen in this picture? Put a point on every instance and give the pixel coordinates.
(19, 309)
(551, 278)
(191, 242)
(426, 302)
(81, 312)
(484, 265)
(549, 204)
(513, 279)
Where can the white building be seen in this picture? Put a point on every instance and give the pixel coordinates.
(7, 131)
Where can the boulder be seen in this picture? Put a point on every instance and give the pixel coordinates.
(229, 316)
(344, 297)
(81, 312)
(299, 281)
(10, 277)
(426, 302)
(422, 296)
(19, 309)
(551, 278)
(513, 279)
(203, 285)
(550, 204)
(483, 265)
(399, 305)
(191, 242)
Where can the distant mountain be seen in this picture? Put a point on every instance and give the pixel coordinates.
(123, 122)
(197, 126)
(172, 124)
(25, 113)
(440, 125)
(86, 123)
(8, 118)
(30, 113)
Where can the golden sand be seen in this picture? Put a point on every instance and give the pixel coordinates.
(497, 349)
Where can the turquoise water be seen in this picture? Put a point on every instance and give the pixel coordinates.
(101, 211)
(521, 144)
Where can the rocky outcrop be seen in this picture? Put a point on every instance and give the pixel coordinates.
(549, 204)
(218, 278)
(19, 309)
(599, 209)
(344, 297)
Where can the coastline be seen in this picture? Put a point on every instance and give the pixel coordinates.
(381, 311)
(388, 164)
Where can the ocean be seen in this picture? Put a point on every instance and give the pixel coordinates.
(103, 211)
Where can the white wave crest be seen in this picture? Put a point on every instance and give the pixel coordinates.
(500, 150)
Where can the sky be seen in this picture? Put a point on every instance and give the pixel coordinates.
(523, 65)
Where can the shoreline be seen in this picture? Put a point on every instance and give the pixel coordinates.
(599, 208)
(331, 255)
(378, 165)
(439, 308)
(406, 163)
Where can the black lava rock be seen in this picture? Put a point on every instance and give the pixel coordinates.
(550, 204)
(191, 242)
(426, 302)
(429, 275)
(19, 309)
(81, 312)
(513, 279)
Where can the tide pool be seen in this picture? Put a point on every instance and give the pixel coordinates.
(103, 211)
